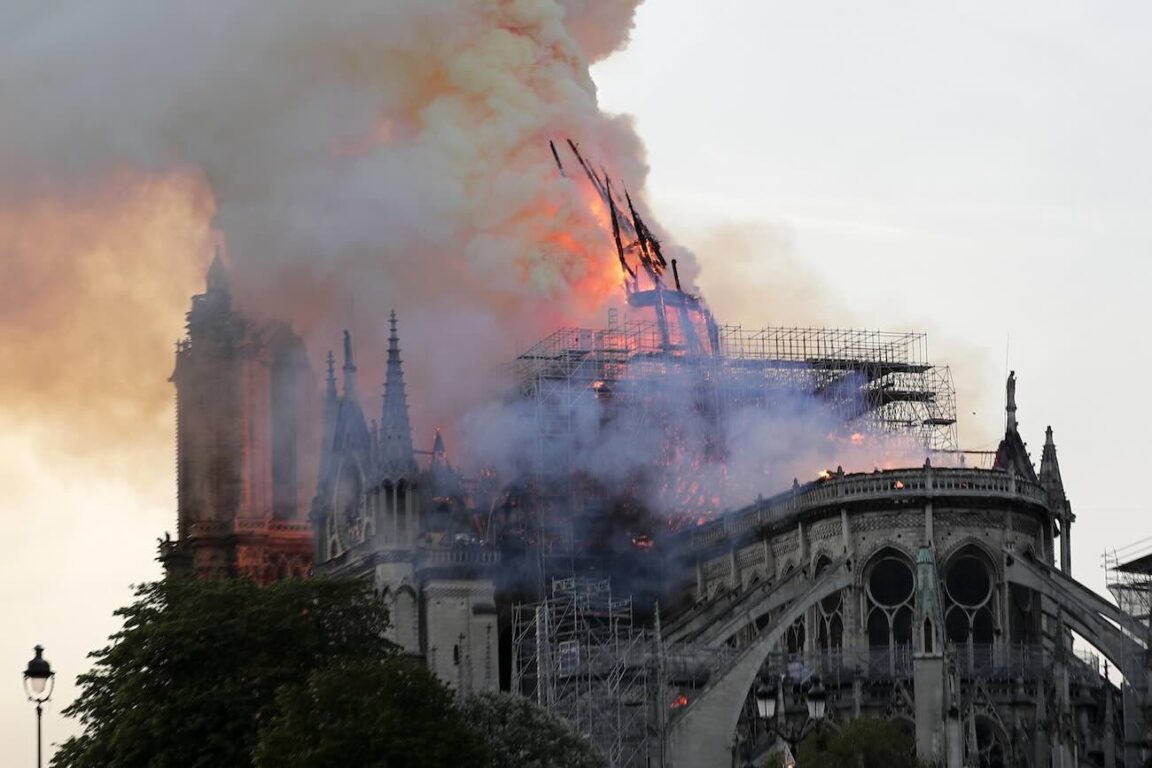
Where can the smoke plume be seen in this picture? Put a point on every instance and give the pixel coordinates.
(356, 157)
(359, 157)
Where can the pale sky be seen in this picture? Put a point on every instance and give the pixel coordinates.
(979, 170)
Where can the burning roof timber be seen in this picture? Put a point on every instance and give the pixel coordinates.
(874, 380)
(883, 381)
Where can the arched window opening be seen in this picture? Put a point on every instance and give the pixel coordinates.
(968, 599)
(1024, 615)
(991, 746)
(828, 615)
(889, 596)
(928, 639)
(348, 504)
(794, 637)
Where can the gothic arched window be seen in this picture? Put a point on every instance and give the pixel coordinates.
(1024, 614)
(889, 597)
(796, 634)
(991, 751)
(828, 615)
(968, 598)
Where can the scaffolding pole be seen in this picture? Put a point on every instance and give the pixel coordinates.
(578, 654)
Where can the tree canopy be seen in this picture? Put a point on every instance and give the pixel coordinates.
(370, 714)
(866, 742)
(193, 674)
(298, 673)
(518, 733)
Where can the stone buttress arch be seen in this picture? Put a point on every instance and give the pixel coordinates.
(700, 735)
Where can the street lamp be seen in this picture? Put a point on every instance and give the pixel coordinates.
(39, 680)
(769, 702)
(766, 701)
(817, 698)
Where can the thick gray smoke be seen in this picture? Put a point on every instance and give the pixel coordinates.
(357, 157)
(361, 156)
(680, 446)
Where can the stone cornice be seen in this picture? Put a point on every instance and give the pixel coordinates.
(898, 486)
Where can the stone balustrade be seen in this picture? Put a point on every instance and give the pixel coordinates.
(908, 484)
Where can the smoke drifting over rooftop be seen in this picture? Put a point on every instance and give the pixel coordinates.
(360, 156)
(357, 158)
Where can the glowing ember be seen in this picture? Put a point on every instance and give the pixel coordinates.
(680, 701)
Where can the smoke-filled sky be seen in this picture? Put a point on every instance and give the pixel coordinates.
(980, 172)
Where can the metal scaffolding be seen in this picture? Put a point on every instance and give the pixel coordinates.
(1129, 579)
(579, 656)
(870, 381)
(1128, 574)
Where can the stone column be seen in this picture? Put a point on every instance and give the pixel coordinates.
(394, 510)
(955, 739)
(1066, 545)
(928, 658)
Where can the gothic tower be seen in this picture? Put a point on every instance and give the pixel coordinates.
(245, 458)
(374, 516)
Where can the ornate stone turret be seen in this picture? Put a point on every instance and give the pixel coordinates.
(397, 456)
(1057, 501)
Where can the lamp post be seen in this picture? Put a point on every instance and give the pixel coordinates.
(770, 703)
(39, 680)
(817, 698)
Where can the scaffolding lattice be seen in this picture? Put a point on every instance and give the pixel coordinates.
(578, 655)
(875, 381)
(1128, 574)
(1129, 579)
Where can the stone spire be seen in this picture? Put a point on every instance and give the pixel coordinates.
(215, 304)
(331, 416)
(1050, 467)
(1010, 407)
(439, 452)
(1057, 500)
(330, 391)
(395, 429)
(218, 275)
(349, 369)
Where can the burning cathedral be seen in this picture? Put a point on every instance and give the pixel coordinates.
(668, 609)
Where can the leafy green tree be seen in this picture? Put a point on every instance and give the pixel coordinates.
(774, 760)
(193, 674)
(369, 714)
(866, 742)
(521, 734)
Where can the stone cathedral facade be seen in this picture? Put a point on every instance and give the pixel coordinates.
(933, 596)
(940, 597)
(379, 516)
